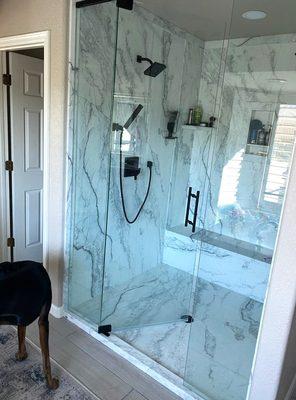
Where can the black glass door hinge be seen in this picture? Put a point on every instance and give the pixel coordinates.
(126, 4)
(187, 318)
(105, 329)
(6, 79)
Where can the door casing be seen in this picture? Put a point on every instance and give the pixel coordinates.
(27, 41)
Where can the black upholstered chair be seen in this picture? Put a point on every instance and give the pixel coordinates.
(25, 295)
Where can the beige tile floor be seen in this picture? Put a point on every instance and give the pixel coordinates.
(107, 375)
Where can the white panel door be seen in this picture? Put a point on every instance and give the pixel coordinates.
(27, 155)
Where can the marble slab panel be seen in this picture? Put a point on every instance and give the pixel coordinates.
(222, 342)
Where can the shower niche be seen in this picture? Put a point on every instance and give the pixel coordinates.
(260, 132)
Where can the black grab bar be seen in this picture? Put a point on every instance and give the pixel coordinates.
(196, 197)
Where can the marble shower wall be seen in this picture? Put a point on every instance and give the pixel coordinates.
(134, 249)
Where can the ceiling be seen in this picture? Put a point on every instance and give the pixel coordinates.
(207, 19)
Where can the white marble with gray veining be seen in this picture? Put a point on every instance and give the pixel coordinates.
(214, 354)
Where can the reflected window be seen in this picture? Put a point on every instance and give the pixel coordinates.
(230, 180)
(276, 175)
(126, 142)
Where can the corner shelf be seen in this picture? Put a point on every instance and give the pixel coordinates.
(257, 149)
(197, 127)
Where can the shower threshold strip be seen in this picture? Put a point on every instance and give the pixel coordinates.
(144, 363)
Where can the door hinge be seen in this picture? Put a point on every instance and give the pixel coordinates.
(125, 4)
(6, 79)
(9, 165)
(10, 242)
(105, 329)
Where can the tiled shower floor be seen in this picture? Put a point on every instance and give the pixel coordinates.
(214, 354)
(166, 344)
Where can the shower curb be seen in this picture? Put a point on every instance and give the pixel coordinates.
(164, 377)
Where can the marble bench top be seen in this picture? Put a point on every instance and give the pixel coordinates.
(235, 245)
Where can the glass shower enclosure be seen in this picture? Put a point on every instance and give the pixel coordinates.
(173, 220)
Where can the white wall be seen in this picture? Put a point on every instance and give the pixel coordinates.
(26, 16)
(279, 309)
(289, 369)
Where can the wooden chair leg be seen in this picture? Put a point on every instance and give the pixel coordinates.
(52, 383)
(22, 352)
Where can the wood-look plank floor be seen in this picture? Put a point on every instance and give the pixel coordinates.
(107, 375)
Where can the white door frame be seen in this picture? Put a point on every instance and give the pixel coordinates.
(10, 43)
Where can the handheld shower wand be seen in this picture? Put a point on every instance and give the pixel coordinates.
(120, 128)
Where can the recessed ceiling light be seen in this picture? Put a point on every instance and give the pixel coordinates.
(254, 15)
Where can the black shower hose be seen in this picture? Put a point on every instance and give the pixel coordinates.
(149, 165)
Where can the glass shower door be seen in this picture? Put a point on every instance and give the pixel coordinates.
(92, 104)
(150, 264)
(139, 287)
(249, 174)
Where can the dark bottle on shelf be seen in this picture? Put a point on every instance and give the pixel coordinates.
(261, 137)
(267, 137)
(190, 117)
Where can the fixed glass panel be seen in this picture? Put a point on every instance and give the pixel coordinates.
(150, 264)
(248, 179)
(92, 96)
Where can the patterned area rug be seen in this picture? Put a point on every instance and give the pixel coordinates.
(24, 380)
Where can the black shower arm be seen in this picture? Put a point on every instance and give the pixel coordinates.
(140, 59)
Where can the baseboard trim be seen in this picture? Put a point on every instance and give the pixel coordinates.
(57, 312)
(291, 389)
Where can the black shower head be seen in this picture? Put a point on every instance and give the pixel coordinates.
(155, 68)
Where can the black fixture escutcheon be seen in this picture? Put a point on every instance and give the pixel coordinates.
(131, 167)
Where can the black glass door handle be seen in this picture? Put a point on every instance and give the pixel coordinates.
(196, 197)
